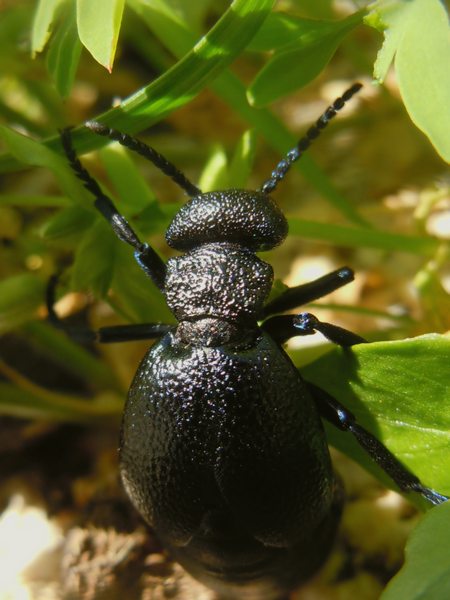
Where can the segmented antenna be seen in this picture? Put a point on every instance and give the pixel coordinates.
(147, 152)
(304, 143)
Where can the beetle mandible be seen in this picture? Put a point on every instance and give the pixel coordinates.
(222, 448)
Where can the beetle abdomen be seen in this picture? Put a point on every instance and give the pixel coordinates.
(215, 441)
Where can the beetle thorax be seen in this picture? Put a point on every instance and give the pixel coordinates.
(220, 275)
(219, 280)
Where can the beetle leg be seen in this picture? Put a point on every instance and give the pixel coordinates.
(307, 292)
(339, 416)
(145, 255)
(115, 333)
(283, 327)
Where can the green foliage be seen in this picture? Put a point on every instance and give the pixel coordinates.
(396, 388)
(406, 404)
(417, 35)
(426, 573)
(296, 63)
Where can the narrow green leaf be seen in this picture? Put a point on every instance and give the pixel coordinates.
(300, 61)
(64, 54)
(94, 261)
(353, 237)
(20, 296)
(134, 295)
(280, 29)
(214, 175)
(241, 164)
(62, 350)
(33, 200)
(42, 23)
(399, 391)
(30, 152)
(28, 404)
(98, 27)
(133, 191)
(426, 572)
(417, 34)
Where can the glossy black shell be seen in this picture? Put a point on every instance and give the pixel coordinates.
(222, 449)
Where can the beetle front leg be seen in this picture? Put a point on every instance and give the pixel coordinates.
(103, 335)
(283, 327)
(339, 416)
(307, 292)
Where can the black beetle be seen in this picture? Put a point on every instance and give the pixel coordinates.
(222, 448)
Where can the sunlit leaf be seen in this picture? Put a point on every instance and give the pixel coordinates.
(426, 572)
(295, 64)
(417, 38)
(98, 27)
(64, 54)
(42, 23)
(399, 391)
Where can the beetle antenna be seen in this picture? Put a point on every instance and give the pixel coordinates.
(304, 143)
(147, 152)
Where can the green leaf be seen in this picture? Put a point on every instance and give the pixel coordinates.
(240, 167)
(55, 344)
(134, 295)
(20, 297)
(358, 237)
(297, 63)
(69, 221)
(37, 403)
(426, 572)
(214, 175)
(179, 84)
(94, 261)
(44, 18)
(417, 35)
(98, 27)
(30, 152)
(133, 191)
(64, 54)
(399, 391)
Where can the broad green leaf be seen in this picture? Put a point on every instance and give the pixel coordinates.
(295, 64)
(69, 221)
(98, 27)
(417, 38)
(20, 297)
(64, 54)
(44, 18)
(426, 572)
(94, 261)
(399, 391)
